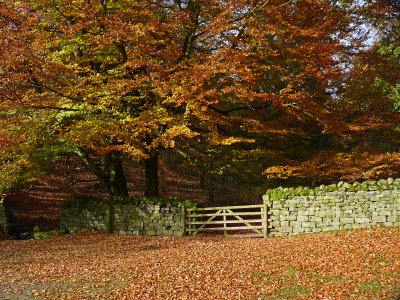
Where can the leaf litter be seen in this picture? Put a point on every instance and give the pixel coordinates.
(361, 264)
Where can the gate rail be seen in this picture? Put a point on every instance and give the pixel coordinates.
(226, 218)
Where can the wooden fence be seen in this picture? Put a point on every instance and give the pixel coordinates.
(245, 220)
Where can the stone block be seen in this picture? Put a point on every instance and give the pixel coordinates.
(347, 220)
(348, 226)
(150, 232)
(385, 213)
(362, 220)
(330, 213)
(297, 230)
(303, 218)
(295, 224)
(286, 229)
(373, 187)
(167, 232)
(388, 224)
(374, 214)
(308, 230)
(339, 213)
(285, 212)
(378, 219)
(275, 223)
(284, 223)
(178, 233)
(393, 219)
(359, 225)
(303, 213)
(282, 217)
(316, 219)
(307, 224)
(274, 217)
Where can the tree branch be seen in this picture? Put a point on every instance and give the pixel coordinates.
(91, 164)
(228, 111)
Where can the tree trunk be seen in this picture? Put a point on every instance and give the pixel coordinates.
(112, 176)
(151, 175)
(109, 219)
(116, 185)
(116, 177)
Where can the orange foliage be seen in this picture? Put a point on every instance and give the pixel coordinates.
(134, 77)
(165, 71)
(360, 164)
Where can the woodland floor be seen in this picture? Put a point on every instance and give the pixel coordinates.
(362, 264)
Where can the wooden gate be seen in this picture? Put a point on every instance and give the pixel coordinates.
(245, 220)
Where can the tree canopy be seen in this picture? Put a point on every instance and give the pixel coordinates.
(112, 79)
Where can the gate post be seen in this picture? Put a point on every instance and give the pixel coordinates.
(265, 220)
(224, 218)
(183, 220)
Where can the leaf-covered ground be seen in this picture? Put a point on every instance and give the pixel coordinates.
(363, 264)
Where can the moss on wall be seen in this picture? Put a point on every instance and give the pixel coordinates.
(134, 215)
(333, 207)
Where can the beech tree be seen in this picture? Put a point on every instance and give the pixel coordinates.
(127, 78)
(103, 77)
(366, 105)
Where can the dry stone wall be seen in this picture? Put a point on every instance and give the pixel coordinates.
(333, 207)
(161, 217)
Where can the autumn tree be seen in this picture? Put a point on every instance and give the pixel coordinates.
(111, 79)
(366, 146)
(103, 77)
(288, 59)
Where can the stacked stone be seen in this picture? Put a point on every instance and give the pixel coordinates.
(148, 219)
(77, 216)
(334, 207)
